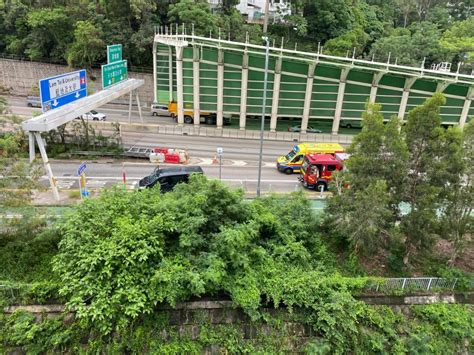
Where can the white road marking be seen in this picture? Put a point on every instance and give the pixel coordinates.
(238, 163)
(64, 184)
(205, 161)
(95, 184)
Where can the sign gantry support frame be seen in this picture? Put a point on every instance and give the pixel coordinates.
(52, 119)
(130, 102)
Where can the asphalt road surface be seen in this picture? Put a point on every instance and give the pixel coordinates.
(103, 173)
(240, 158)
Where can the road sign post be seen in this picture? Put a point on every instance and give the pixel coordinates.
(114, 53)
(114, 73)
(81, 168)
(62, 89)
(82, 180)
(220, 151)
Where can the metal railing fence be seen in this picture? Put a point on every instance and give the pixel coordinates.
(412, 284)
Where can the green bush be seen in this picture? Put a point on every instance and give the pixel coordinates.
(123, 253)
(26, 250)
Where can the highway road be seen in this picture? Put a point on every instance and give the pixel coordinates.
(205, 147)
(240, 158)
(106, 173)
(114, 112)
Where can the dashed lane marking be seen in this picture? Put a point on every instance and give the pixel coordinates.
(64, 184)
(239, 163)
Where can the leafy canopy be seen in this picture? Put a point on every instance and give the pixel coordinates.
(123, 253)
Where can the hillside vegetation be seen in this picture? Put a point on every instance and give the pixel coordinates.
(115, 258)
(76, 32)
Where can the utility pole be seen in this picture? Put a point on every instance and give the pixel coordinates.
(264, 100)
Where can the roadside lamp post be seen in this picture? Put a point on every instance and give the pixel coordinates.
(264, 100)
(220, 151)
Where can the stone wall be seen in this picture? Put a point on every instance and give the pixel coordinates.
(190, 319)
(223, 311)
(21, 78)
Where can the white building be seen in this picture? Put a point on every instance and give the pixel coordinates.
(253, 10)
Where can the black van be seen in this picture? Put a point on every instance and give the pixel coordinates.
(169, 177)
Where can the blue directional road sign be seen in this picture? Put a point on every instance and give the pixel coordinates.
(81, 168)
(63, 89)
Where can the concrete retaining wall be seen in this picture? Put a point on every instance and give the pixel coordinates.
(22, 77)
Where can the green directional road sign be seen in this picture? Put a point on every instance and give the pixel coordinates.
(114, 73)
(114, 53)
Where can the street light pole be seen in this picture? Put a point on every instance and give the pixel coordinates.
(264, 100)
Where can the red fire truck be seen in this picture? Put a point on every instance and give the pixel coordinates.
(317, 169)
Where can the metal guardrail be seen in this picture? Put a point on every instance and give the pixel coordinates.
(412, 284)
(380, 285)
(9, 291)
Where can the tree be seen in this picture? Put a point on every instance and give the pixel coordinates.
(51, 30)
(370, 205)
(440, 16)
(194, 12)
(459, 41)
(19, 177)
(410, 46)
(406, 7)
(376, 172)
(87, 46)
(457, 221)
(345, 43)
(227, 6)
(460, 9)
(3, 106)
(424, 138)
(378, 152)
(327, 18)
(123, 253)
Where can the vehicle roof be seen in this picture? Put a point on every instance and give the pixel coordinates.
(319, 147)
(179, 170)
(322, 159)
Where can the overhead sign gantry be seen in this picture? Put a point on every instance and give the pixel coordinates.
(62, 89)
(54, 118)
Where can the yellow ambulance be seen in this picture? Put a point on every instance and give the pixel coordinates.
(291, 163)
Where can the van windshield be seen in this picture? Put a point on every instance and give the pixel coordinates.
(305, 164)
(290, 155)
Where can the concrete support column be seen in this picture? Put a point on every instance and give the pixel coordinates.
(220, 88)
(179, 84)
(340, 100)
(307, 97)
(47, 166)
(139, 105)
(243, 91)
(196, 93)
(466, 107)
(130, 100)
(276, 95)
(170, 73)
(31, 140)
(375, 85)
(441, 86)
(155, 85)
(406, 93)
